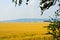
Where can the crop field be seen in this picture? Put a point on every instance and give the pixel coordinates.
(24, 31)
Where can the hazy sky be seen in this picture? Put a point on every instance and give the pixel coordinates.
(8, 11)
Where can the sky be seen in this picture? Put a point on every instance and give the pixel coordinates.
(8, 11)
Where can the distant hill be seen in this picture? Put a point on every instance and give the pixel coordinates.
(28, 20)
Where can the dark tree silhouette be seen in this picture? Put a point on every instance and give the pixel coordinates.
(54, 26)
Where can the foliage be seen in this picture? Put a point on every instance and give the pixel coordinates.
(19, 2)
(44, 4)
(54, 26)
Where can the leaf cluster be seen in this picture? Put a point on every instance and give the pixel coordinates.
(19, 2)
